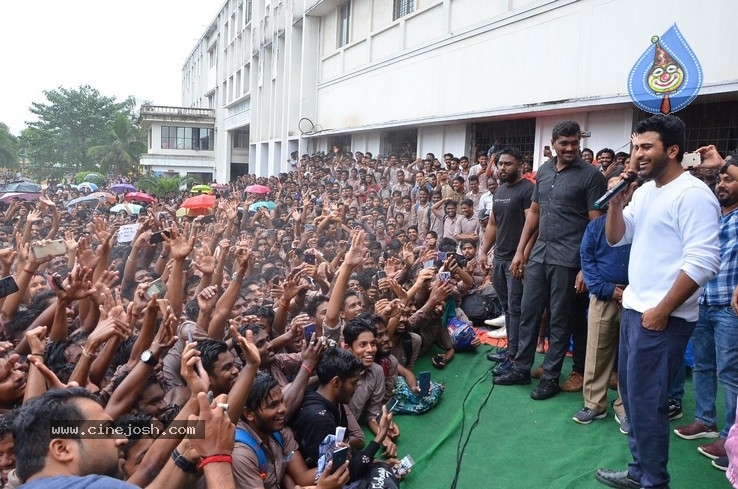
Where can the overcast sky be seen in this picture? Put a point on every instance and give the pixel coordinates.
(135, 47)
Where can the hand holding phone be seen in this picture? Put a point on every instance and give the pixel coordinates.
(424, 383)
(340, 455)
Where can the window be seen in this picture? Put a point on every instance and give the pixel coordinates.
(198, 138)
(344, 17)
(240, 139)
(402, 8)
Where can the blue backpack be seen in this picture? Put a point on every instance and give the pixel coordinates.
(243, 436)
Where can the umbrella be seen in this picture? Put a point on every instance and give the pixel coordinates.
(93, 176)
(97, 196)
(219, 186)
(88, 185)
(119, 188)
(139, 197)
(20, 195)
(203, 189)
(198, 205)
(258, 189)
(268, 204)
(23, 187)
(127, 208)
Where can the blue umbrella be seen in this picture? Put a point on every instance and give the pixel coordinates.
(88, 185)
(267, 203)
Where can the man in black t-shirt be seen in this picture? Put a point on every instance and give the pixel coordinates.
(510, 205)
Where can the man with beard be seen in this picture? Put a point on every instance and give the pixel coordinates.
(44, 461)
(715, 338)
(262, 429)
(562, 205)
(681, 215)
(510, 205)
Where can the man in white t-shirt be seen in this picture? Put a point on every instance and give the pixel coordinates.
(672, 225)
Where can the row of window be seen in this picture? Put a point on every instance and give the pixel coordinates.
(400, 8)
(199, 138)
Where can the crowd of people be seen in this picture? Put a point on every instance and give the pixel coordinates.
(259, 340)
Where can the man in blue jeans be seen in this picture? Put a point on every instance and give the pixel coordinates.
(715, 339)
(672, 225)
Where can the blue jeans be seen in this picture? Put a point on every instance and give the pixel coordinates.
(510, 292)
(715, 341)
(648, 363)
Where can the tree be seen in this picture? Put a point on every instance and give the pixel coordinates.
(8, 148)
(160, 186)
(122, 149)
(70, 122)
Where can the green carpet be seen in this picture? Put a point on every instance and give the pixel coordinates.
(520, 443)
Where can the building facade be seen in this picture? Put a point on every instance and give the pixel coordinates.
(442, 75)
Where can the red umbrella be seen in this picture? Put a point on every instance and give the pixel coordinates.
(139, 197)
(199, 204)
(258, 189)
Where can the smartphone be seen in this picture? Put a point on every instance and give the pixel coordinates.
(691, 159)
(586, 134)
(339, 457)
(461, 260)
(429, 264)
(391, 404)
(380, 275)
(57, 281)
(424, 383)
(547, 147)
(309, 258)
(386, 255)
(54, 248)
(442, 255)
(206, 220)
(8, 286)
(309, 227)
(444, 277)
(159, 237)
(158, 287)
(309, 330)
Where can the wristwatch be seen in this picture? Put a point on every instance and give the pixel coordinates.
(725, 167)
(148, 358)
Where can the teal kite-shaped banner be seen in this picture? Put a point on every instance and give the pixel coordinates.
(667, 77)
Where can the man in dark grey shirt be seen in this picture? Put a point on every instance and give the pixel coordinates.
(563, 204)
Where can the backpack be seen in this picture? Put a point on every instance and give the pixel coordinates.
(478, 305)
(243, 436)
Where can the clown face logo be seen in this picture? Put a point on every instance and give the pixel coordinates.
(664, 79)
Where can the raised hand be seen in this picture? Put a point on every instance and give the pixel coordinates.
(192, 371)
(250, 353)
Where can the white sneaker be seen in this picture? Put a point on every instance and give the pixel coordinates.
(498, 322)
(498, 333)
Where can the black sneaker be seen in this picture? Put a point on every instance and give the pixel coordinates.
(498, 357)
(503, 367)
(675, 410)
(513, 377)
(721, 463)
(546, 389)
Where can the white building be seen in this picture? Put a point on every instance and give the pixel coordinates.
(441, 75)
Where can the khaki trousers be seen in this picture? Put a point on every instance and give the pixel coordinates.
(603, 332)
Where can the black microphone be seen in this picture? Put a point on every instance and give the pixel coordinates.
(619, 187)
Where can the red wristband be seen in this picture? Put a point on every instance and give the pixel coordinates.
(310, 372)
(215, 459)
